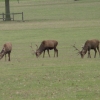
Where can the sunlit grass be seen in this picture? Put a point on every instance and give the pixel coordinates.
(67, 77)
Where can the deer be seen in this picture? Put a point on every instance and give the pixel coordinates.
(89, 44)
(7, 48)
(46, 45)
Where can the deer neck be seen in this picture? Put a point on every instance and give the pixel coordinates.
(1, 55)
(85, 49)
(40, 50)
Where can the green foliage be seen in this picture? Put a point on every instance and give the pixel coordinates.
(67, 77)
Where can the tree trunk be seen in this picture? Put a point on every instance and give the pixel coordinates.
(7, 10)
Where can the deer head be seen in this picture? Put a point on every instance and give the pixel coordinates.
(36, 52)
(33, 52)
(2, 53)
(82, 53)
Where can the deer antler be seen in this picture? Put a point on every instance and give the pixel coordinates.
(32, 49)
(76, 48)
(36, 46)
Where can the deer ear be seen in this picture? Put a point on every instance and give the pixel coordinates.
(43, 42)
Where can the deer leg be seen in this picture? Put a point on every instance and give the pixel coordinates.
(48, 52)
(8, 56)
(5, 57)
(89, 56)
(95, 52)
(43, 53)
(98, 50)
(55, 51)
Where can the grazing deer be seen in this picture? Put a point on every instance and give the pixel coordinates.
(7, 47)
(89, 44)
(46, 45)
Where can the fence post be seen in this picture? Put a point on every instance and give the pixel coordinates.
(3, 16)
(13, 16)
(22, 16)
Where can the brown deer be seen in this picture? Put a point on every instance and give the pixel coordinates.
(46, 45)
(89, 44)
(7, 47)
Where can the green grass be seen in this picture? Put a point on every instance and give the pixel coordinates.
(67, 77)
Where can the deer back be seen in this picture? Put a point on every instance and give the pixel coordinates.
(50, 43)
(91, 44)
(7, 47)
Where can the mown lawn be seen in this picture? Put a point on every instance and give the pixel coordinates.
(67, 77)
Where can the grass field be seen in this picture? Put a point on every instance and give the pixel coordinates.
(67, 77)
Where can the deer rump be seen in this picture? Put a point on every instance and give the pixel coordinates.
(7, 48)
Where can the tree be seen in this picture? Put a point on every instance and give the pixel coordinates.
(7, 10)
